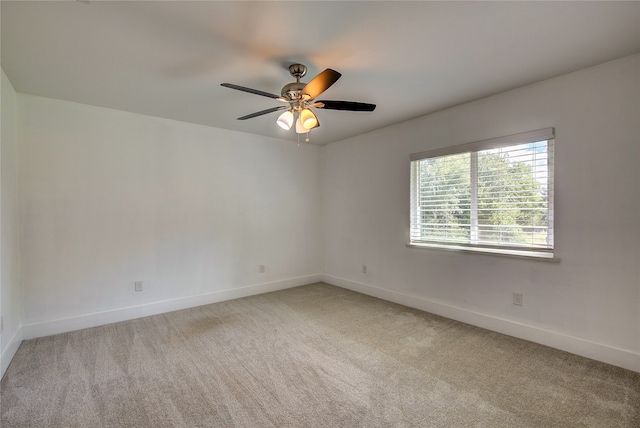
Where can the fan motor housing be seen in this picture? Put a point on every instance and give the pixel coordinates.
(293, 90)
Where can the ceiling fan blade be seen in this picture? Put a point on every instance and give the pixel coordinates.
(344, 105)
(260, 113)
(251, 91)
(320, 83)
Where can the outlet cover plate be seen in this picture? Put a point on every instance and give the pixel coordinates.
(517, 299)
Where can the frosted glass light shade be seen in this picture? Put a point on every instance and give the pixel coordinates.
(308, 119)
(285, 120)
(299, 128)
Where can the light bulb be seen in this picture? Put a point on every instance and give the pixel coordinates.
(285, 120)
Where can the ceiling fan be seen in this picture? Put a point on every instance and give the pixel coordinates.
(299, 97)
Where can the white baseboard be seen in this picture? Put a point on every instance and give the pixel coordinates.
(10, 350)
(597, 351)
(64, 325)
(608, 354)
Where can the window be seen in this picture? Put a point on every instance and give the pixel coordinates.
(493, 196)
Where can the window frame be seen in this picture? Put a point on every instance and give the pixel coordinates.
(546, 134)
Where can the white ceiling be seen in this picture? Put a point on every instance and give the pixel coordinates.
(168, 59)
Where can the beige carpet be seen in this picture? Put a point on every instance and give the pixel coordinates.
(312, 356)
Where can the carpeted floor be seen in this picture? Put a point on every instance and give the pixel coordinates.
(311, 356)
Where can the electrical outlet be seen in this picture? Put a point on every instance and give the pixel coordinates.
(517, 299)
(262, 268)
(364, 268)
(138, 286)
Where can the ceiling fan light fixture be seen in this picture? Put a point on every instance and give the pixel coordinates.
(285, 121)
(308, 118)
(300, 96)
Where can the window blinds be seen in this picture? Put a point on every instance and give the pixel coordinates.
(495, 194)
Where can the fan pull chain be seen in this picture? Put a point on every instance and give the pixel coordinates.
(306, 140)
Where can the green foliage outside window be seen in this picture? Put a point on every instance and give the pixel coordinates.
(510, 208)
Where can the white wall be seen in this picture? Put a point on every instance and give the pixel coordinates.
(11, 336)
(108, 198)
(589, 303)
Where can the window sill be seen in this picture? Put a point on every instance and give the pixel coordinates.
(528, 255)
